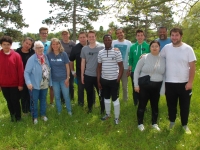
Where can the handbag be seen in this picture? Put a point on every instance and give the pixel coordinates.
(145, 80)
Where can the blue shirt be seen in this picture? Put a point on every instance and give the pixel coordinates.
(46, 46)
(164, 42)
(58, 65)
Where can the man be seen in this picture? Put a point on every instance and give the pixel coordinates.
(89, 62)
(43, 31)
(163, 39)
(124, 46)
(110, 69)
(75, 55)
(136, 50)
(180, 71)
(68, 45)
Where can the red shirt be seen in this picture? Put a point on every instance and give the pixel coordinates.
(11, 70)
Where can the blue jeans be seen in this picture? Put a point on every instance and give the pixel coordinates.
(57, 86)
(34, 96)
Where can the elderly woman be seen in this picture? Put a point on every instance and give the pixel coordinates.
(154, 66)
(38, 79)
(60, 71)
(25, 52)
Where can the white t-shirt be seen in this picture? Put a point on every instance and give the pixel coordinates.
(124, 48)
(177, 62)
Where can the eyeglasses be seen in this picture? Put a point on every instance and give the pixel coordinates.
(44, 33)
(39, 47)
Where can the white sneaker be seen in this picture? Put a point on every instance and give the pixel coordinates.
(187, 130)
(44, 118)
(70, 113)
(35, 121)
(155, 126)
(141, 127)
(116, 121)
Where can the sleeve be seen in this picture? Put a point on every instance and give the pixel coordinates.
(65, 58)
(99, 57)
(20, 70)
(83, 53)
(163, 52)
(191, 55)
(50, 79)
(28, 70)
(119, 56)
(72, 56)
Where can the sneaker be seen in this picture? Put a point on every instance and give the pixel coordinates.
(70, 113)
(171, 125)
(187, 130)
(116, 121)
(35, 121)
(44, 118)
(141, 127)
(105, 117)
(155, 126)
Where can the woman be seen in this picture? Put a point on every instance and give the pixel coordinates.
(60, 71)
(11, 77)
(154, 65)
(25, 52)
(38, 79)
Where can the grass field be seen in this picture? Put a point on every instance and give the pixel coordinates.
(85, 131)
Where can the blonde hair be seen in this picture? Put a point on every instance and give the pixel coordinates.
(57, 41)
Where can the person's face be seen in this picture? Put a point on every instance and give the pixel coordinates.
(55, 46)
(120, 34)
(27, 45)
(65, 36)
(43, 34)
(176, 38)
(91, 38)
(155, 48)
(162, 33)
(107, 41)
(140, 37)
(6, 46)
(39, 49)
(82, 39)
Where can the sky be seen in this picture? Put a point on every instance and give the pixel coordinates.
(34, 11)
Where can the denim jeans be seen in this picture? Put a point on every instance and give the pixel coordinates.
(57, 86)
(34, 96)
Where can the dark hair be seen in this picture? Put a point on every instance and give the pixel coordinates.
(119, 29)
(91, 31)
(154, 41)
(82, 32)
(179, 30)
(107, 35)
(28, 38)
(6, 39)
(162, 27)
(43, 28)
(139, 31)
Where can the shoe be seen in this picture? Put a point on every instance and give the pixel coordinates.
(105, 117)
(171, 125)
(116, 121)
(141, 127)
(35, 121)
(44, 118)
(89, 111)
(155, 126)
(187, 130)
(70, 113)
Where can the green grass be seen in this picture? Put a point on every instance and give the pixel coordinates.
(85, 131)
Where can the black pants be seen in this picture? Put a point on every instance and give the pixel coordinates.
(12, 96)
(71, 86)
(175, 92)
(90, 83)
(152, 93)
(80, 92)
(110, 88)
(135, 94)
(25, 99)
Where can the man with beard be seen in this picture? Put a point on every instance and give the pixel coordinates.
(163, 39)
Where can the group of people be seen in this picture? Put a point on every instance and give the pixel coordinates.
(44, 65)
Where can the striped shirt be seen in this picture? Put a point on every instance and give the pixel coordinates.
(109, 60)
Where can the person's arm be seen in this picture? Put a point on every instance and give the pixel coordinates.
(121, 69)
(188, 86)
(20, 71)
(72, 68)
(130, 61)
(68, 75)
(27, 72)
(82, 70)
(99, 68)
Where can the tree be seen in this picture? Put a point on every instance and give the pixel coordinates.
(78, 13)
(11, 19)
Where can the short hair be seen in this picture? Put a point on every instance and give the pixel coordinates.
(58, 41)
(107, 35)
(119, 29)
(139, 31)
(82, 32)
(37, 43)
(154, 41)
(28, 38)
(162, 27)
(43, 28)
(6, 39)
(176, 29)
(91, 31)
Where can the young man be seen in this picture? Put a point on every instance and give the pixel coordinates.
(68, 45)
(163, 39)
(180, 71)
(11, 77)
(136, 50)
(89, 62)
(75, 55)
(109, 72)
(124, 46)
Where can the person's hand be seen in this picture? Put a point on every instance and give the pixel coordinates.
(128, 73)
(20, 88)
(116, 49)
(67, 82)
(137, 89)
(188, 86)
(99, 85)
(142, 55)
(82, 79)
(30, 87)
(74, 73)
